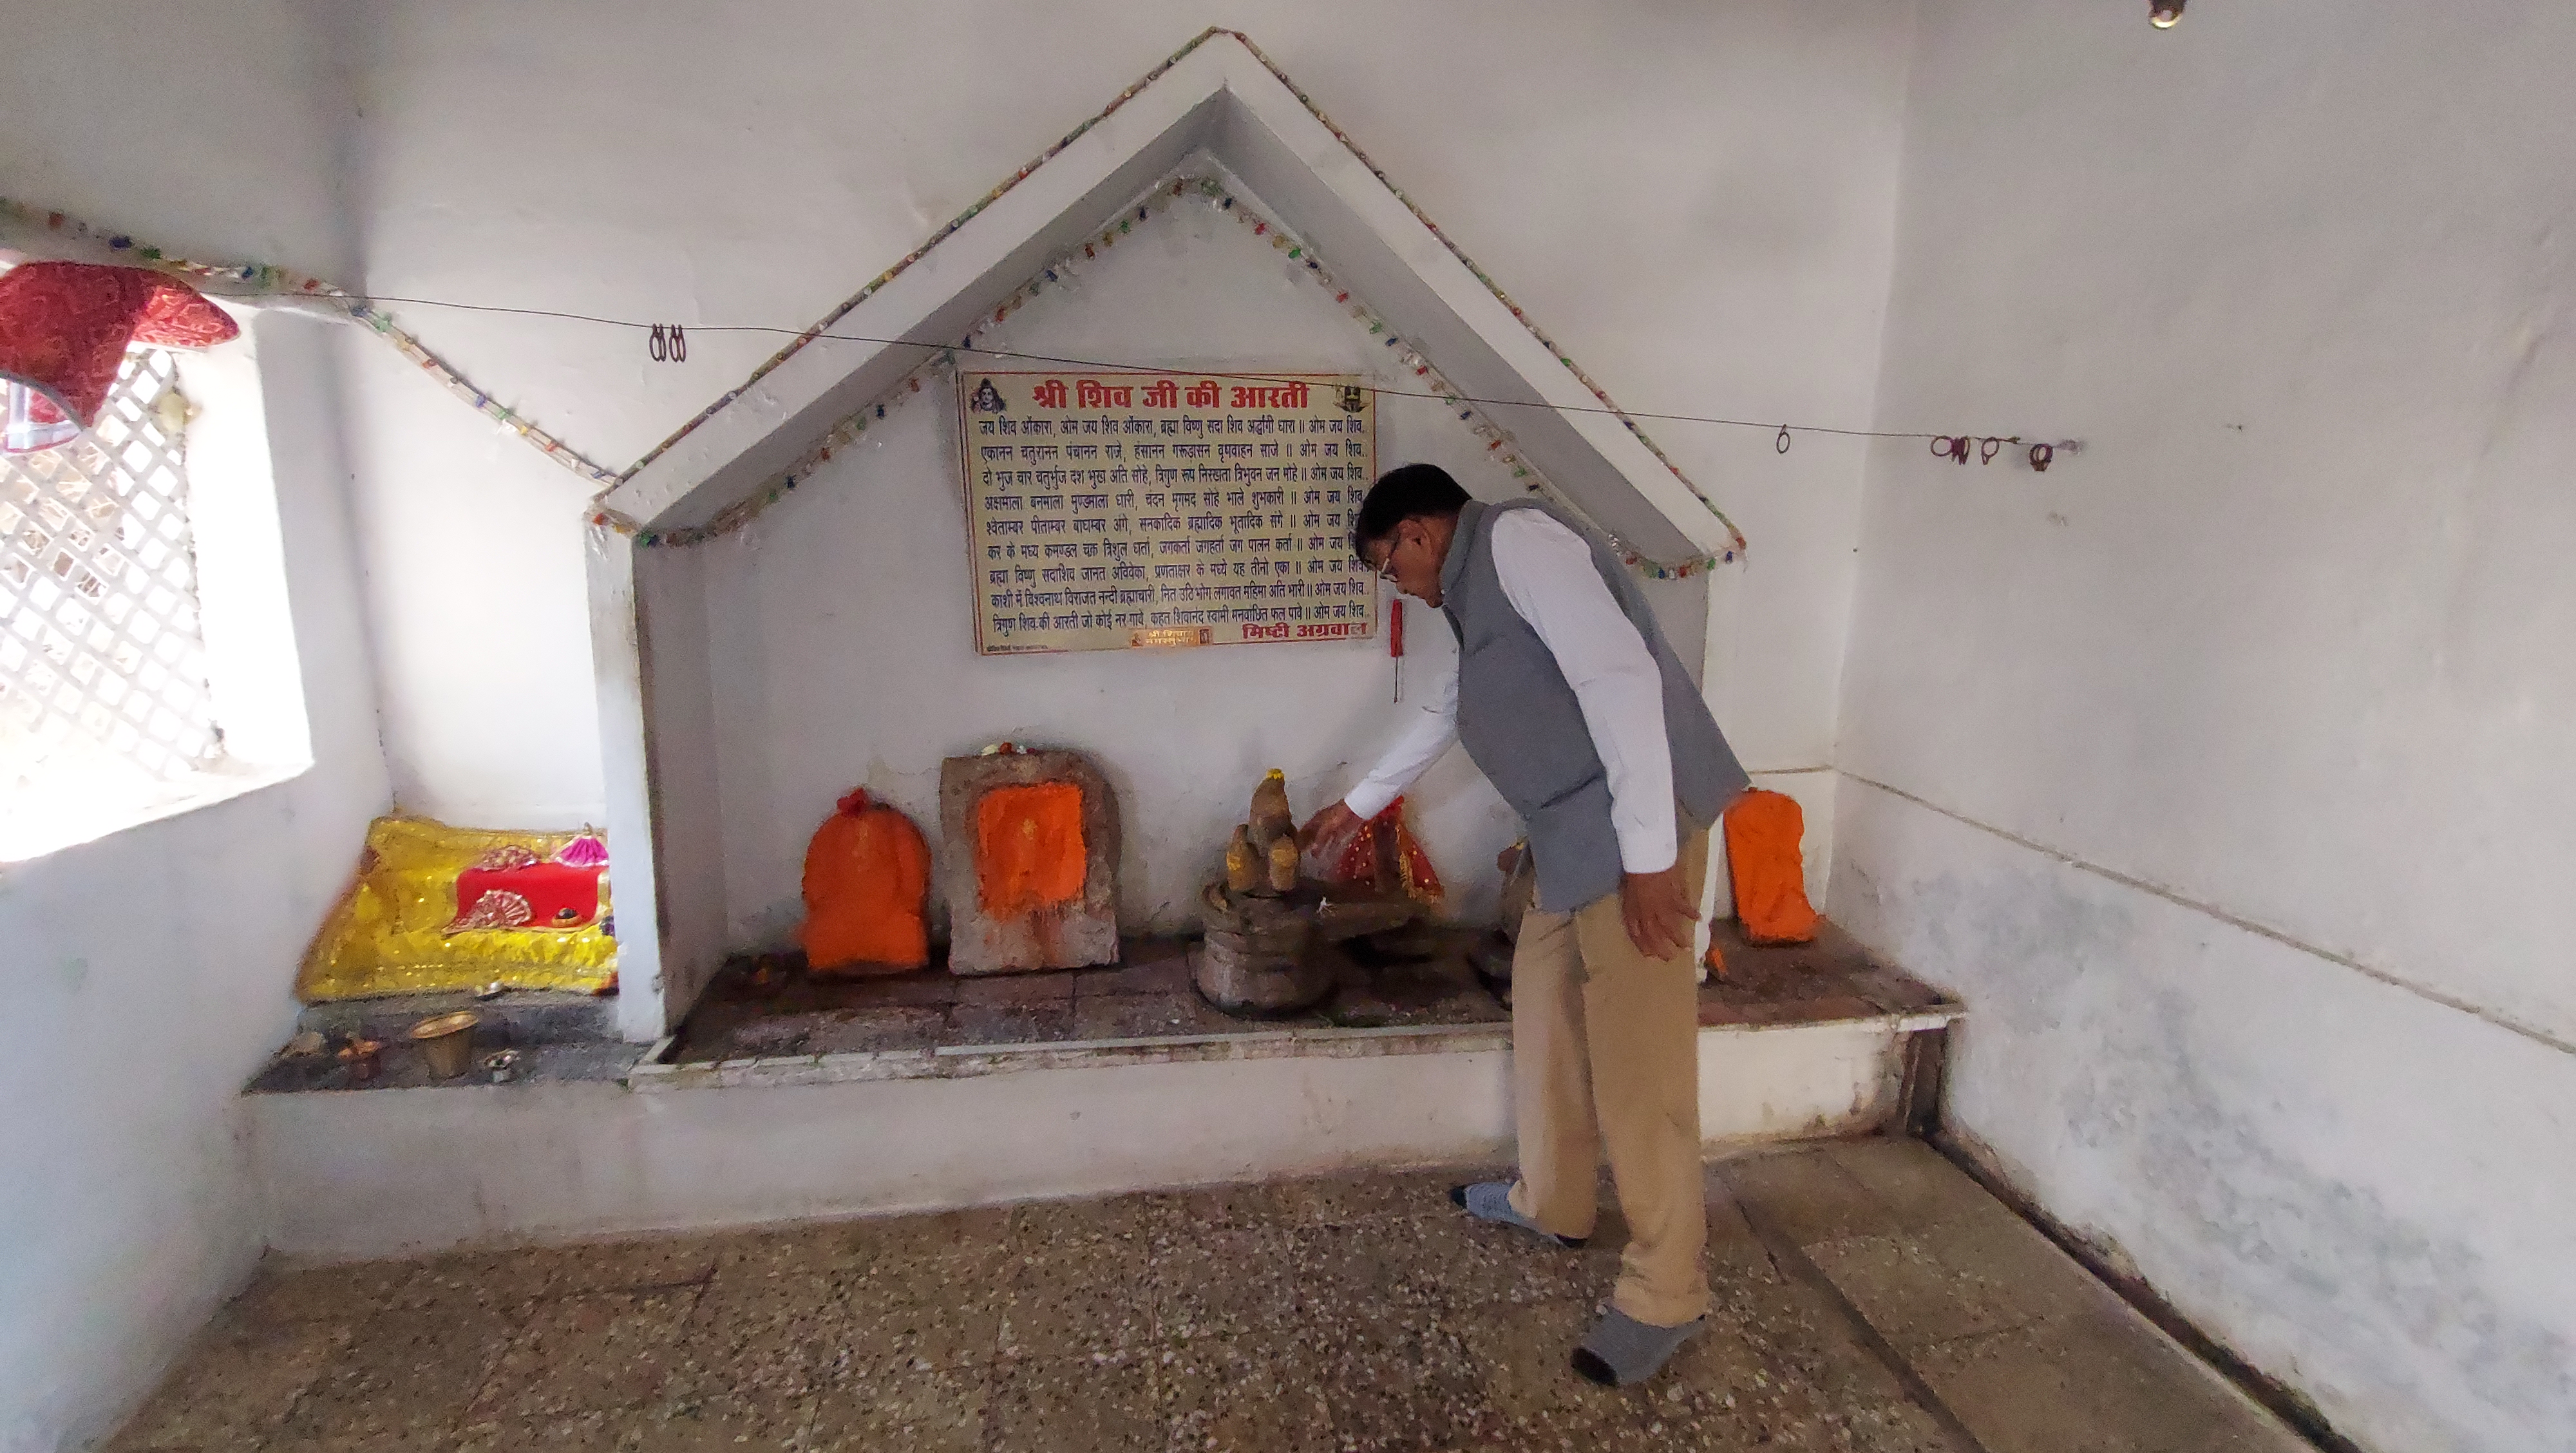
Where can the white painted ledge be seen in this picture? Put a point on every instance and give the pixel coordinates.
(402, 1172)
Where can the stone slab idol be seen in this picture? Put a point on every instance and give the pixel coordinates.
(1028, 861)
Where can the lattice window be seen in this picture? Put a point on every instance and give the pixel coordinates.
(101, 654)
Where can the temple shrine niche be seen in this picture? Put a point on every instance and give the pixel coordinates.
(1028, 861)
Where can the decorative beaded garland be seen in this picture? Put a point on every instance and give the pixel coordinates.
(1499, 442)
(255, 280)
(251, 280)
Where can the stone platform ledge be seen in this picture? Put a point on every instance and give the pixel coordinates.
(653, 1074)
(966, 1060)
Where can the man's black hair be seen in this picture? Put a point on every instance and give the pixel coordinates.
(1406, 492)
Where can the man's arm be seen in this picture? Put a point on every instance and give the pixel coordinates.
(1433, 730)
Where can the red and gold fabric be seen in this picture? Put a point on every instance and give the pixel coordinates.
(448, 908)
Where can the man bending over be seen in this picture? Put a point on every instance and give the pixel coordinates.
(1568, 698)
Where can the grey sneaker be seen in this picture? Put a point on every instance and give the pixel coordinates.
(1492, 1201)
(1621, 1351)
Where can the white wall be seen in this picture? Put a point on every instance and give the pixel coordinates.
(150, 974)
(2288, 642)
(1698, 205)
(406, 1172)
(150, 971)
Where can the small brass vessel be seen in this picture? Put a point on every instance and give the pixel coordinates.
(448, 1040)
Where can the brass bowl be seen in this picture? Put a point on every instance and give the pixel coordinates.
(448, 1040)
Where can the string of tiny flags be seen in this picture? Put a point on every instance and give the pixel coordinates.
(1347, 140)
(669, 343)
(262, 281)
(1499, 443)
(1500, 446)
(1736, 541)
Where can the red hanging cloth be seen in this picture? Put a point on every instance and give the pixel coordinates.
(64, 327)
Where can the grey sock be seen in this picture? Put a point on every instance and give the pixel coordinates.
(1620, 1350)
(1492, 1201)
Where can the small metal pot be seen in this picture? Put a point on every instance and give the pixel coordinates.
(448, 1041)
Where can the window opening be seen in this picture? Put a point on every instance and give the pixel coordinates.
(102, 655)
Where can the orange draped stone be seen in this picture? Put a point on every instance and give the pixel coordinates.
(1768, 870)
(866, 873)
(1029, 852)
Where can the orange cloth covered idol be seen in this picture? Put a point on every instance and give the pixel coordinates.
(1769, 873)
(866, 874)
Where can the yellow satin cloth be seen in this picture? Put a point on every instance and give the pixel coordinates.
(397, 929)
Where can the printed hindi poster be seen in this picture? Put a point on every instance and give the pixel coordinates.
(1107, 510)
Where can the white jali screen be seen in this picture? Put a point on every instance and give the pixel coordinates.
(1108, 510)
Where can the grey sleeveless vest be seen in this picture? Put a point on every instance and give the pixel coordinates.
(1520, 721)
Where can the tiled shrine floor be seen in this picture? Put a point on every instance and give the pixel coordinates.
(1150, 997)
(1869, 1297)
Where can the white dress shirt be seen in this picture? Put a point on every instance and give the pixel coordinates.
(1547, 574)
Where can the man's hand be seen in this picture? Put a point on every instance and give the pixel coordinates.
(1659, 914)
(1333, 825)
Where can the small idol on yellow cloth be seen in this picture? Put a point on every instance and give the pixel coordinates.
(438, 908)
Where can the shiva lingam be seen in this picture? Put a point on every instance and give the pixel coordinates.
(1271, 931)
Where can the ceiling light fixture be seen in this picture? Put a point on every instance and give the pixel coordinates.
(2164, 14)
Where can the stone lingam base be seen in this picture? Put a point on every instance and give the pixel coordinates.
(1270, 955)
(1055, 914)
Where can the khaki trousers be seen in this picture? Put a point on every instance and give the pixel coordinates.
(1605, 1055)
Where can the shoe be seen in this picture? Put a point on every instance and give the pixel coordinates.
(1492, 1201)
(1621, 1351)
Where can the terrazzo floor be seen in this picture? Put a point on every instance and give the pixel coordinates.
(1869, 1296)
